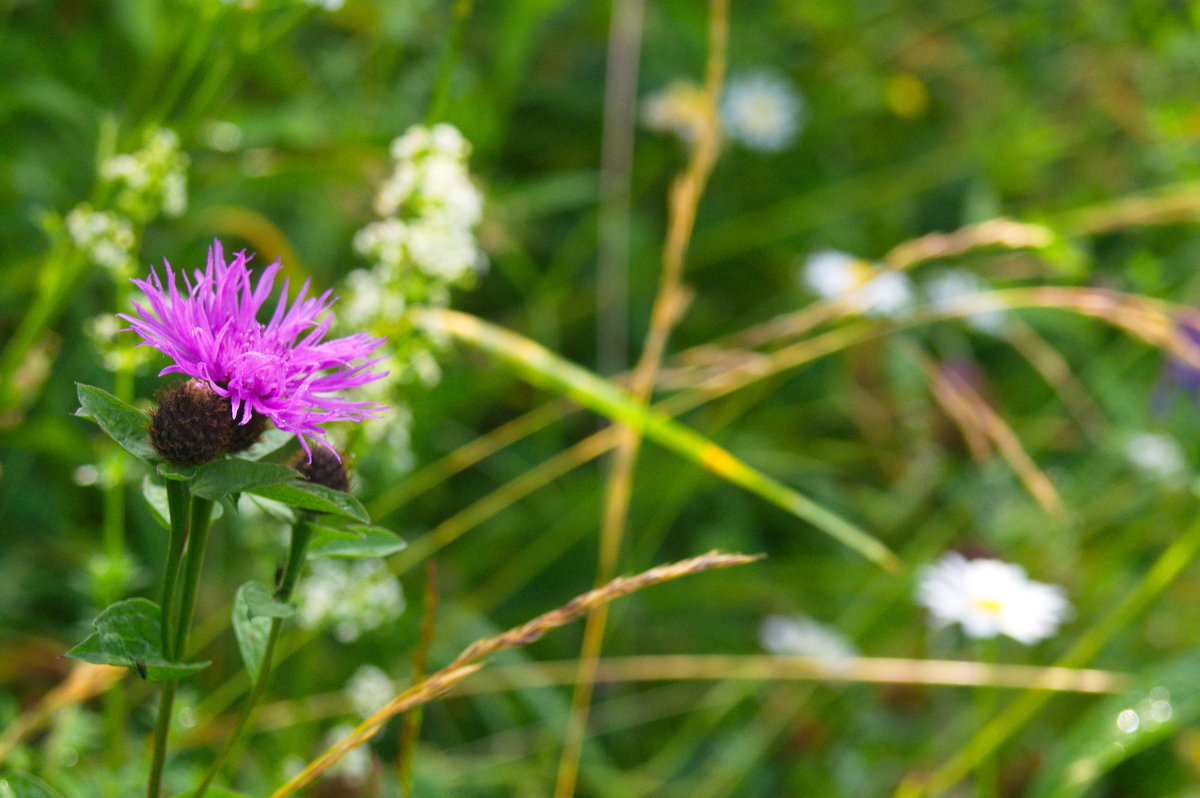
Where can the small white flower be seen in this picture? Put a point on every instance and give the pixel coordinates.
(762, 111)
(369, 689)
(1158, 456)
(956, 290)
(350, 596)
(804, 636)
(106, 237)
(863, 286)
(990, 597)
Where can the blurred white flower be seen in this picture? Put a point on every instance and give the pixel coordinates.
(804, 636)
(762, 111)
(990, 597)
(152, 180)
(956, 290)
(354, 767)
(677, 108)
(352, 597)
(863, 286)
(369, 689)
(106, 237)
(1158, 456)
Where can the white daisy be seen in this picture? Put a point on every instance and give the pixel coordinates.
(991, 597)
(761, 111)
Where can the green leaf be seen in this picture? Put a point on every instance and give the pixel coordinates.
(271, 441)
(220, 478)
(23, 785)
(542, 367)
(1161, 701)
(318, 498)
(353, 542)
(128, 633)
(176, 472)
(156, 498)
(253, 610)
(122, 422)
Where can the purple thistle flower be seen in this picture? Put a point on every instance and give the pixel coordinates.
(283, 369)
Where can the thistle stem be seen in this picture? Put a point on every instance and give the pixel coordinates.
(184, 517)
(297, 550)
(197, 538)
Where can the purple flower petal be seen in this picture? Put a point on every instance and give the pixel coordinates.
(284, 369)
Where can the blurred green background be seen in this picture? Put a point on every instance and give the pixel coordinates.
(918, 117)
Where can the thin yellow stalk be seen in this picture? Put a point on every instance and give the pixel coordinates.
(467, 663)
(877, 670)
(684, 200)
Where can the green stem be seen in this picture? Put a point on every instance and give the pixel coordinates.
(177, 501)
(182, 517)
(301, 535)
(193, 559)
(162, 727)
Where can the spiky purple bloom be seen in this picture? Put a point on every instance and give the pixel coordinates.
(283, 369)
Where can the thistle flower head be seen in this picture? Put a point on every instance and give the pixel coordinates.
(283, 369)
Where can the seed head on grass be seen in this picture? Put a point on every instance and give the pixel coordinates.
(465, 664)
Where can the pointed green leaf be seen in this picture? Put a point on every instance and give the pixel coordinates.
(128, 633)
(271, 441)
(220, 478)
(156, 498)
(23, 785)
(353, 541)
(1159, 702)
(122, 422)
(318, 498)
(253, 610)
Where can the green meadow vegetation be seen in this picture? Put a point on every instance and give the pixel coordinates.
(688, 398)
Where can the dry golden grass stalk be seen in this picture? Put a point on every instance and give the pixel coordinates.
(465, 664)
(993, 233)
(766, 667)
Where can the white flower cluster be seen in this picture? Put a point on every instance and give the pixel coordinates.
(352, 597)
(425, 242)
(761, 111)
(354, 768)
(105, 236)
(862, 286)
(115, 353)
(141, 185)
(369, 689)
(991, 597)
(150, 181)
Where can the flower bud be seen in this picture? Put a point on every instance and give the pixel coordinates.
(191, 425)
(246, 435)
(324, 468)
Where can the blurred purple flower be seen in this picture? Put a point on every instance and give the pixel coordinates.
(283, 369)
(1183, 373)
